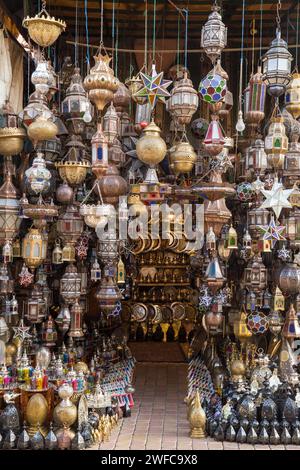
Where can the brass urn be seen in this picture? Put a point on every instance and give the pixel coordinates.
(65, 413)
(12, 136)
(197, 418)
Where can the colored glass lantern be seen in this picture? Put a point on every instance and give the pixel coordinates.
(244, 191)
(99, 151)
(254, 112)
(292, 96)
(214, 35)
(291, 327)
(276, 143)
(38, 176)
(213, 88)
(9, 210)
(183, 102)
(36, 306)
(258, 323)
(34, 248)
(214, 139)
(70, 285)
(277, 66)
(76, 321)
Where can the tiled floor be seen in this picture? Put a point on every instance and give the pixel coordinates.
(159, 418)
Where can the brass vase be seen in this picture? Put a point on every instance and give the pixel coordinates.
(197, 418)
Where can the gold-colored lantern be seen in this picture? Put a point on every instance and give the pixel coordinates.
(12, 136)
(43, 29)
(292, 96)
(34, 248)
(151, 148)
(182, 158)
(41, 129)
(101, 84)
(276, 143)
(9, 210)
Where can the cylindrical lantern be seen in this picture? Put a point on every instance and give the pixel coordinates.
(70, 285)
(214, 35)
(256, 102)
(292, 96)
(34, 248)
(276, 143)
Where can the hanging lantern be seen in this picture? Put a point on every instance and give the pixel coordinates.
(151, 148)
(142, 116)
(99, 152)
(112, 185)
(279, 300)
(38, 176)
(7, 252)
(41, 129)
(95, 271)
(292, 223)
(292, 164)
(37, 106)
(6, 284)
(12, 136)
(292, 96)
(232, 239)
(76, 108)
(256, 157)
(277, 66)
(214, 139)
(9, 210)
(216, 214)
(211, 240)
(63, 319)
(43, 29)
(111, 124)
(49, 333)
(108, 295)
(247, 241)
(70, 285)
(213, 89)
(64, 194)
(68, 253)
(255, 275)
(34, 248)
(73, 167)
(214, 35)
(289, 279)
(182, 158)
(101, 84)
(57, 254)
(70, 224)
(36, 306)
(256, 101)
(122, 98)
(135, 84)
(51, 149)
(257, 217)
(276, 143)
(41, 77)
(291, 327)
(116, 154)
(214, 276)
(76, 321)
(183, 102)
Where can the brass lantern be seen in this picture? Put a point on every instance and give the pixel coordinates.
(70, 285)
(36, 306)
(70, 224)
(11, 134)
(276, 143)
(216, 214)
(41, 128)
(9, 210)
(277, 66)
(255, 275)
(76, 108)
(214, 35)
(292, 96)
(75, 330)
(34, 248)
(43, 29)
(101, 84)
(151, 148)
(182, 158)
(256, 102)
(184, 101)
(73, 167)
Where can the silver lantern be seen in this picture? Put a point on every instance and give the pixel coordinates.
(70, 285)
(183, 102)
(277, 66)
(214, 35)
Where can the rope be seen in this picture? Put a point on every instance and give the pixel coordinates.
(261, 24)
(87, 34)
(186, 37)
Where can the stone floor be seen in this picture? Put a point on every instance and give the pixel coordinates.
(159, 420)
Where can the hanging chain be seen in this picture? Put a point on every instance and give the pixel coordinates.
(186, 37)
(278, 8)
(101, 27)
(76, 36)
(44, 4)
(87, 34)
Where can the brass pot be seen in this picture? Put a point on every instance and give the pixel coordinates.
(65, 413)
(41, 129)
(11, 140)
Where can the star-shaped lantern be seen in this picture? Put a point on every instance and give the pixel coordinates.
(21, 331)
(155, 87)
(276, 198)
(273, 231)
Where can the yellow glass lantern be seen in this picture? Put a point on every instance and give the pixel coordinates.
(34, 248)
(240, 328)
(276, 143)
(292, 96)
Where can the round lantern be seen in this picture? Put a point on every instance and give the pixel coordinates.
(70, 285)
(244, 192)
(41, 77)
(151, 148)
(289, 279)
(112, 185)
(64, 194)
(38, 176)
(76, 108)
(256, 100)
(37, 106)
(41, 129)
(214, 35)
(276, 143)
(292, 96)
(213, 88)
(184, 101)
(277, 66)
(34, 248)
(43, 29)
(183, 158)
(101, 84)
(11, 134)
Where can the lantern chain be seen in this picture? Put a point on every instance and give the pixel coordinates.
(101, 24)
(44, 4)
(278, 8)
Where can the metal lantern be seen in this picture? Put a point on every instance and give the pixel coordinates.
(38, 176)
(108, 295)
(111, 124)
(255, 275)
(151, 148)
(36, 306)
(51, 149)
(49, 333)
(101, 84)
(76, 321)
(43, 29)
(256, 157)
(289, 279)
(214, 35)
(291, 170)
(256, 217)
(41, 77)
(70, 285)
(12, 136)
(73, 167)
(183, 102)
(57, 254)
(95, 271)
(292, 96)
(292, 223)
(256, 100)
(34, 248)
(115, 153)
(183, 158)
(277, 66)
(70, 224)
(37, 106)
(214, 276)
(6, 284)
(214, 139)
(291, 327)
(276, 143)
(76, 107)
(9, 210)
(99, 152)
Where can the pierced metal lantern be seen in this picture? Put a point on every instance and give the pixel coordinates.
(51, 149)
(214, 276)
(70, 285)
(277, 66)
(99, 152)
(111, 124)
(9, 210)
(292, 96)
(36, 306)
(184, 101)
(38, 176)
(256, 217)
(12, 135)
(70, 224)
(291, 170)
(276, 143)
(37, 106)
(214, 35)
(76, 107)
(256, 157)
(255, 103)
(292, 223)
(108, 295)
(115, 153)
(42, 77)
(75, 330)
(255, 275)
(34, 248)
(73, 167)
(6, 283)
